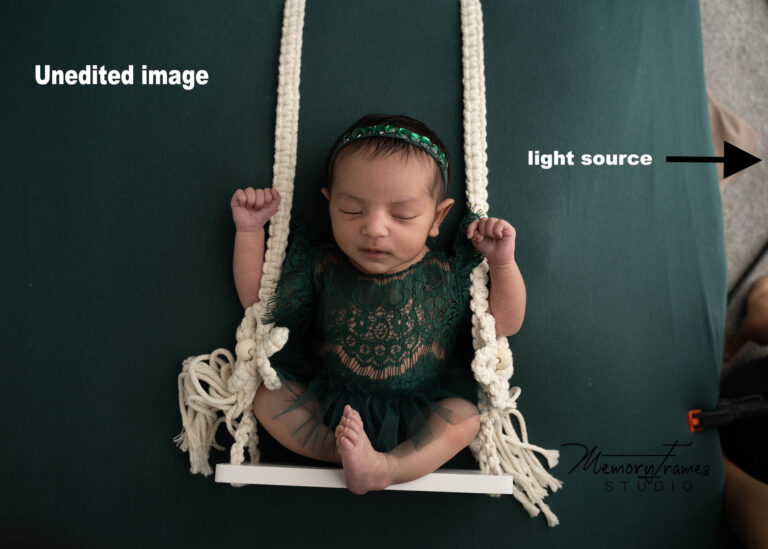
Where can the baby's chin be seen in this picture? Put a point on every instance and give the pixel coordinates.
(387, 264)
(372, 267)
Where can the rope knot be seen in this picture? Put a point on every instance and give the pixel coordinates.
(244, 347)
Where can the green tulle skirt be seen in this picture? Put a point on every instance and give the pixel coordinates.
(396, 422)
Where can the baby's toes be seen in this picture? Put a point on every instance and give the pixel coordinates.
(356, 419)
(352, 435)
(347, 423)
(356, 425)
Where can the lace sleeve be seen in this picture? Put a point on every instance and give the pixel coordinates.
(294, 302)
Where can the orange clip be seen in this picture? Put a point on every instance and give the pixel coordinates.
(694, 422)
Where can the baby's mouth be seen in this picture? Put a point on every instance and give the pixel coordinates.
(373, 252)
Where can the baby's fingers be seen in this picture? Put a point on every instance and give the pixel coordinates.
(498, 228)
(263, 198)
(501, 229)
(509, 231)
(239, 198)
(271, 201)
(271, 197)
(476, 229)
(471, 228)
(250, 195)
(260, 199)
(491, 228)
(485, 228)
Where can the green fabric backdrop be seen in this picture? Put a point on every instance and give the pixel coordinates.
(117, 243)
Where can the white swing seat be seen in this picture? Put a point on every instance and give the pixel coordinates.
(443, 480)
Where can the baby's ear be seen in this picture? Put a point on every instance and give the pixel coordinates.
(326, 193)
(442, 210)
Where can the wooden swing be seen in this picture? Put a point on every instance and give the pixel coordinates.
(506, 460)
(442, 480)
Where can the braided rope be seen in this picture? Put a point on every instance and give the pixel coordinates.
(233, 384)
(497, 448)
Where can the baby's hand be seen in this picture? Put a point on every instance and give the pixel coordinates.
(494, 238)
(251, 209)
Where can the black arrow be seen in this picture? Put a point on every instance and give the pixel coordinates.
(734, 159)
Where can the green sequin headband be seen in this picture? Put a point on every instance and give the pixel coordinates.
(403, 134)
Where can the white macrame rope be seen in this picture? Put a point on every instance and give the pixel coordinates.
(232, 384)
(256, 341)
(497, 448)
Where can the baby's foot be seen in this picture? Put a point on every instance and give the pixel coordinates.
(365, 469)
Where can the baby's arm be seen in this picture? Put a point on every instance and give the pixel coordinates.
(495, 239)
(251, 209)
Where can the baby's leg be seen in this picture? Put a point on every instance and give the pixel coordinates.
(267, 404)
(366, 469)
(411, 463)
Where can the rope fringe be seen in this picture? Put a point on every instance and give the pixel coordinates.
(233, 380)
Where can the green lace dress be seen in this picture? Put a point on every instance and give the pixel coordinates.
(382, 343)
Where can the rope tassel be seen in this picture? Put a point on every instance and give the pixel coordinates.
(198, 406)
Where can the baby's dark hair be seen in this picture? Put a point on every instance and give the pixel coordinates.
(376, 147)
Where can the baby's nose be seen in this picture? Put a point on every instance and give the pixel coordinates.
(375, 225)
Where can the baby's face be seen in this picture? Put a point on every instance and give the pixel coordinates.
(382, 210)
